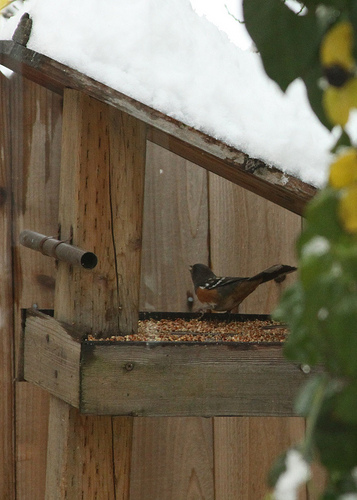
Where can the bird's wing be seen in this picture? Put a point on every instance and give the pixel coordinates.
(224, 281)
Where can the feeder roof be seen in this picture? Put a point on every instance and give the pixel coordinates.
(201, 96)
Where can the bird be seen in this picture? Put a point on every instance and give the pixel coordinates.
(223, 294)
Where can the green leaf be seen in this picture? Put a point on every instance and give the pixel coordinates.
(278, 467)
(346, 253)
(336, 4)
(340, 332)
(301, 344)
(322, 217)
(306, 396)
(352, 14)
(346, 404)
(316, 261)
(312, 79)
(335, 440)
(281, 37)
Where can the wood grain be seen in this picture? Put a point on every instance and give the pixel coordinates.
(175, 229)
(122, 451)
(172, 459)
(253, 446)
(206, 151)
(157, 378)
(249, 234)
(35, 145)
(254, 235)
(184, 380)
(80, 447)
(101, 202)
(52, 353)
(7, 402)
(102, 187)
(249, 173)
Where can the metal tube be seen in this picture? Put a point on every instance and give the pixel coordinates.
(58, 249)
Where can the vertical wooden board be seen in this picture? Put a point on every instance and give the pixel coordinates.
(101, 200)
(231, 449)
(7, 407)
(122, 451)
(82, 446)
(36, 118)
(172, 459)
(249, 234)
(244, 454)
(102, 187)
(268, 438)
(36, 124)
(32, 405)
(175, 229)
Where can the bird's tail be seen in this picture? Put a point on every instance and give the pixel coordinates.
(273, 272)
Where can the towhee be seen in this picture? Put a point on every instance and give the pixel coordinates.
(224, 294)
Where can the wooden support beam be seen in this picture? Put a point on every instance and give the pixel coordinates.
(36, 117)
(250, 173)
(101, 201)
(214, 155)
(101, 205)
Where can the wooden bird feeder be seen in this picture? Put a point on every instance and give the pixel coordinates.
(106, 377)
(101, 204)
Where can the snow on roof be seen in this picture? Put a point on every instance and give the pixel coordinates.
(163, 54)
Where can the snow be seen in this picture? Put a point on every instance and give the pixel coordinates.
(316, 247)
(297, 473)
(228, 16)
(166, 55)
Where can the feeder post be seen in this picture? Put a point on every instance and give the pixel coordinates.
(101, 205)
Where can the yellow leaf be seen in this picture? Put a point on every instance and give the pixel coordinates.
(338, 101)
(343, 171)
(337, 46)
(4, 3)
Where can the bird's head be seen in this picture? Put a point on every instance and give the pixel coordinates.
(201, 274)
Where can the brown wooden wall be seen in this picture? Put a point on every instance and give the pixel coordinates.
(189, 216)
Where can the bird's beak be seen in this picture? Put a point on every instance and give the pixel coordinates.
(190, 269)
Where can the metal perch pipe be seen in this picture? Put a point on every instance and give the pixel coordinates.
(58, 249)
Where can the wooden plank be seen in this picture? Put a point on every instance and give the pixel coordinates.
(249, 173)
(35, 140)
(122, 453)
(101, 200)
(253, 444)
(167, 452)
(52, 354)
(102, 186)
(254, 235)
(200, 148)
(187, 380)
(173, 459)
(174, 230)
(7, 406)
(82, 447)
